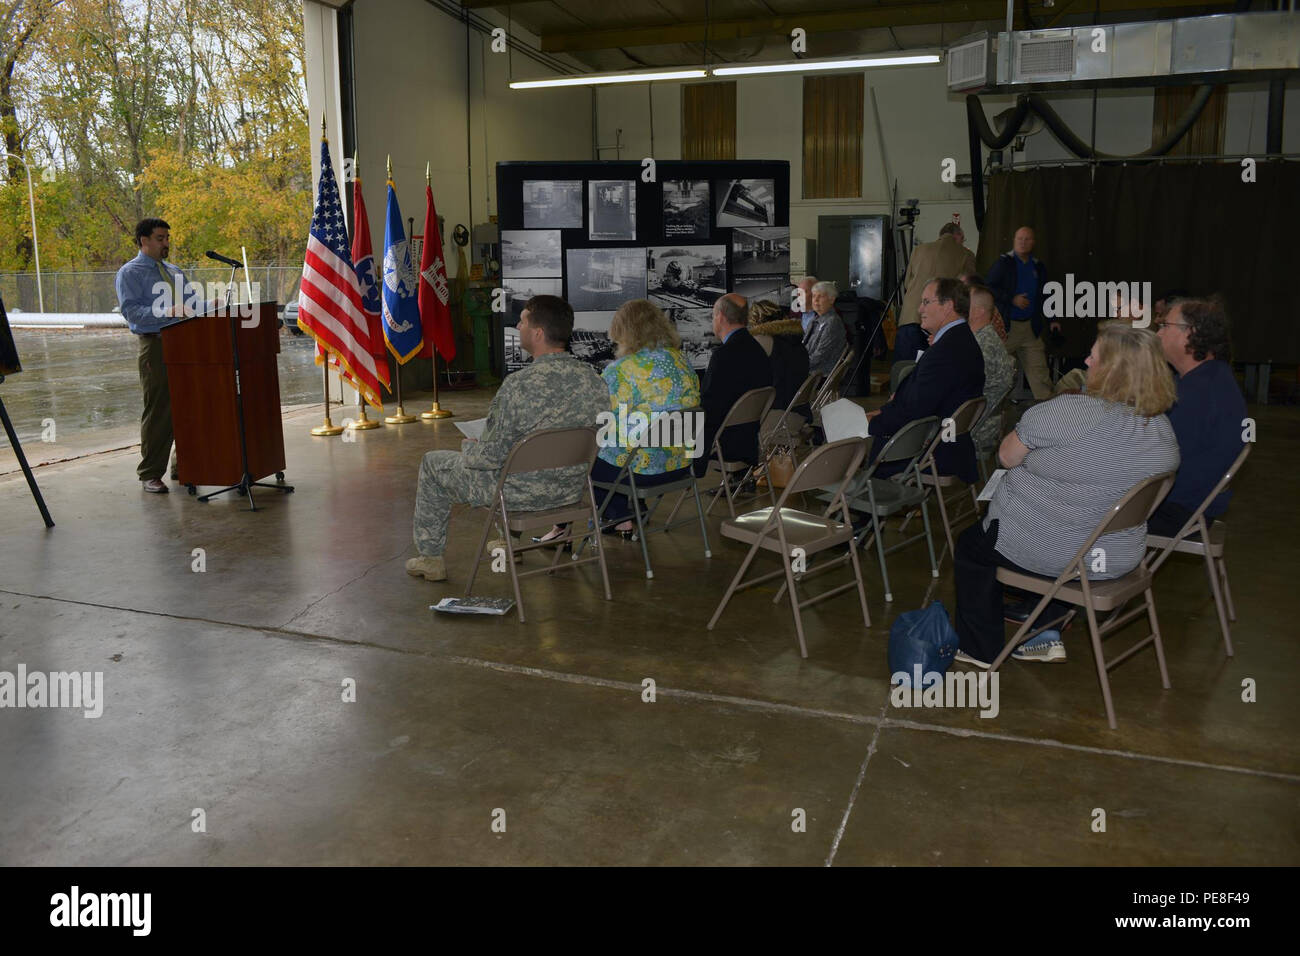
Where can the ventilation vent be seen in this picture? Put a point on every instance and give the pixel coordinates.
(968, 65)
(1049, 57)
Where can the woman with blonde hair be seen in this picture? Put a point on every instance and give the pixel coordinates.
(648, 375)
(1069, 461)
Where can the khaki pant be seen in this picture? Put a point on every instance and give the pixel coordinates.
(1027, 349)
(156, 419)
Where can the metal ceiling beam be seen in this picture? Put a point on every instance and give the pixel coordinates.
(485, 4)
(874, 17)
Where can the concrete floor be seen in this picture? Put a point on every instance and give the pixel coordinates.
(223, 692)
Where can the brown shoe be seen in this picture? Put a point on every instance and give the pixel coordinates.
(429, 568)
(155, 486)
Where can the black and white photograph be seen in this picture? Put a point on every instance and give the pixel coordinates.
(515, 357)
(553, 204)
(612, 209)
(600, 280)
(746, 202)
(760, 250)
(520, 290)
(531, 252)
(686, 209)
(776, 289)
(695, 326)
(686, 276)
(591, 341)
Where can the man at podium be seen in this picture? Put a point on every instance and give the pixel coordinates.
(152, 295)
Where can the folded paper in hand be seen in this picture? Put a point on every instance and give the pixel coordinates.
(472, 429)
(844, 419)
(995, 479)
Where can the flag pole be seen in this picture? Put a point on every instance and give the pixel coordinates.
(437, 411)
(328, 429)
(400, 417)
(363, 422)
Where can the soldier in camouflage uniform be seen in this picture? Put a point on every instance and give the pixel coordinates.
(555, 390)
(999, 367)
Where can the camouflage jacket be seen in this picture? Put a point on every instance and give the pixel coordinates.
(552, 391)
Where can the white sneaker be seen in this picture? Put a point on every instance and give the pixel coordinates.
(967, 659)
(1046, 647)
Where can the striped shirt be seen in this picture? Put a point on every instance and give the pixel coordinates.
(1085, 454)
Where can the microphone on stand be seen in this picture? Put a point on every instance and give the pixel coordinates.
(233, 263)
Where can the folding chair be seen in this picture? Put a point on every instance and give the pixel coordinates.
(749, 408)
(782, 530)
(988, 452)
(899, 371)
(649, 498)
(1072, 585)
(963, 419)
(545, 450)
(1196, 537)
(830, 388)
(882, 497)
(777, 423)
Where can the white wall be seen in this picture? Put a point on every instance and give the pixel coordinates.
(411, 97)
(922, 124)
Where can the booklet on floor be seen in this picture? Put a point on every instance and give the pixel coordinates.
(473, 605)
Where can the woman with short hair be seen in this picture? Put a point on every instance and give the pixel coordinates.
(1070, 460)
(826, 336)
(649, 374)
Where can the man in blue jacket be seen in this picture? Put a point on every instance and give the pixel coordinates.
(949, 372)
(1017, 280)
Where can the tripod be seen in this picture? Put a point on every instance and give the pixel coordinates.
(246, 484)
(22, 461)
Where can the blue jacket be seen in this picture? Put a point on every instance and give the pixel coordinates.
(1002, 282)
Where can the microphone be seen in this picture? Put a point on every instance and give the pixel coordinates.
(226, 259)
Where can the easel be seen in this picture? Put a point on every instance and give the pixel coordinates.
(22, 461)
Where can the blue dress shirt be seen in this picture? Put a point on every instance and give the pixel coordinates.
(140, 285)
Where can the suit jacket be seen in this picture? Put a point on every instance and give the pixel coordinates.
(736, 366)
(1002, 283)
(950, 372)
(945, 258)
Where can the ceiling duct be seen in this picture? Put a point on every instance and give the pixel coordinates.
(1224, 48)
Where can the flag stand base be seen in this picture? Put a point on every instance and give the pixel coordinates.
(363, 423)
(329, 429)
(435, 413)
(401, 418)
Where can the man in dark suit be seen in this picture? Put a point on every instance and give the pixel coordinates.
(736, 366)
(950, 371)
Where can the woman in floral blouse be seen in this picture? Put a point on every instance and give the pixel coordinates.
(648, 375)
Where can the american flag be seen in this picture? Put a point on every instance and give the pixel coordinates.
(329, 303)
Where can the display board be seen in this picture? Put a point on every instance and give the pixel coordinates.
(602, 233)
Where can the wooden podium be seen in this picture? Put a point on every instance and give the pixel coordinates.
(225, 395)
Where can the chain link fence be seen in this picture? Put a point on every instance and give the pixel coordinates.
(94, 292)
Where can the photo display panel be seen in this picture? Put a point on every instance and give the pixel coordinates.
(599, 235)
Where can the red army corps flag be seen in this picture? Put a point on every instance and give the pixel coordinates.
(435, 290)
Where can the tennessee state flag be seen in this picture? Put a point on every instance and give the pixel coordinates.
(435, 291)
(401, 311)
(363, 260)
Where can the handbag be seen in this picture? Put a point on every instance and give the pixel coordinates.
(780, 468)
(925, 637)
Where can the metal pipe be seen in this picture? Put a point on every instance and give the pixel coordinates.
(36, 246)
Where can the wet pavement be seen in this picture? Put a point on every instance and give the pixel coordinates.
(87, 381)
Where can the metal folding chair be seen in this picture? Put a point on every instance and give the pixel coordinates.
(1198, 537)
(881, 498)
(1073, 586)
(830, 388)
(545, 450)
(647, 498)
(798, 534)
(963, 419)
(749, 408)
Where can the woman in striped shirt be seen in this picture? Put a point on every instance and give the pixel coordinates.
(1070, 460)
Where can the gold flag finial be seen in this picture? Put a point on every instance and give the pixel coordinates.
(390, 166)
(426, 174)
(322, 126)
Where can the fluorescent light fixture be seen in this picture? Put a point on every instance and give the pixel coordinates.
(808, 66)
(595, 79)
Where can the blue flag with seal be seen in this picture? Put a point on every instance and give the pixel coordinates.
(401, 309)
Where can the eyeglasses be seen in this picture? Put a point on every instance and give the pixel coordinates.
(925, 302)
